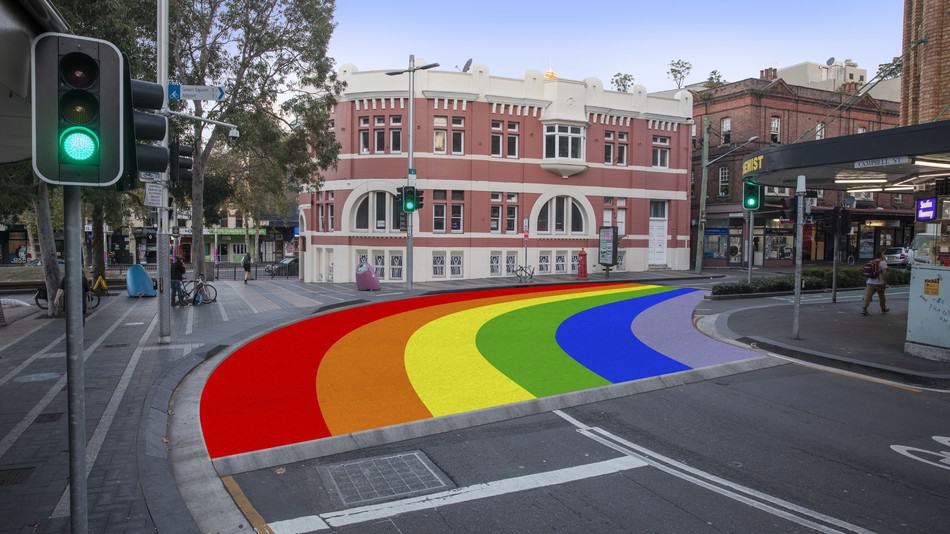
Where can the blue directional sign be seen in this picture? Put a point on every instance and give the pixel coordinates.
(174, 92)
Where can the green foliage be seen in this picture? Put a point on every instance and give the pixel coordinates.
(714, 80)
(813, 277)
(679, 70)
(622, 81)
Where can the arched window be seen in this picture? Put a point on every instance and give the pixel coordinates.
(561, 215)
(377, 212)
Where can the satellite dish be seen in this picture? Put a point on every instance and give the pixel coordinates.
(831, 61)
(468, 65)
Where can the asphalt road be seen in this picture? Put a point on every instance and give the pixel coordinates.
(785, 449)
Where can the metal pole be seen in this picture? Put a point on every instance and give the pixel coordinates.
(751, 248)
(799, 228)
(164, 283)
(701, 223)
(834, 261)
(410, 175)
(74, 360)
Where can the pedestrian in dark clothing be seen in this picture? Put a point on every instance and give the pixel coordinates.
(178, 277)
(246, 263)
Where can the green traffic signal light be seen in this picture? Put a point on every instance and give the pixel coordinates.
(79, 144)
(408, 199)
(751, 195)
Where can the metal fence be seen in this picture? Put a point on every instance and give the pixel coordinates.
(235, 271)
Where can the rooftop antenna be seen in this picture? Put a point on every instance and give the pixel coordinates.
(831, 61)
(468, 65)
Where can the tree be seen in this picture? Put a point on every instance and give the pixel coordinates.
(258, 49)
(891, 69)
(715, 80)
(622, 81)
(679, 70)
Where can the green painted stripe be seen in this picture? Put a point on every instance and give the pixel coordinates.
(522, 345)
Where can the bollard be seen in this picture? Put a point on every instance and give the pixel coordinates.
(582, 265)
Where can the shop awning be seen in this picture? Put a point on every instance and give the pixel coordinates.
(882, 160)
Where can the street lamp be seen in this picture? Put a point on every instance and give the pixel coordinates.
(411, 174)
(701, 223)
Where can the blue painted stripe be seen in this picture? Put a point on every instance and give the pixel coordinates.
(614, 352)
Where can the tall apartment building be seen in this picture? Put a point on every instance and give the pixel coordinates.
(514, 172)
(926, 62)
(778, 112)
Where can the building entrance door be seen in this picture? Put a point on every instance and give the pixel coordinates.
(657, 241)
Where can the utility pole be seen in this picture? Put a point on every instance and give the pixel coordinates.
(751, 247)
(799, 230)
(701, 223)
(72, 224)
(164, 278)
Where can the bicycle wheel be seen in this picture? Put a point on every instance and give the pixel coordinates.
(211, 293)
(92, 300)
(40, 303)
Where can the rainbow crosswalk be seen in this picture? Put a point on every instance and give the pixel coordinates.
(399, 361)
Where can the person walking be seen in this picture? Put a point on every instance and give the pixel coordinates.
(178, 277)
(246, 263)
(876, 272)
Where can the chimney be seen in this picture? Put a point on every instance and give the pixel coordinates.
(768, 74)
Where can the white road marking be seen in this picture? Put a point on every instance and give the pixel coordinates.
(42, 352)
(28, 419)
(249, 305)
(190, 321)
(224, 314)
(94, 444)
(726, 488)
(911, 452)
(454, 496)
(186, 346)
(135, 323)
(23, 336)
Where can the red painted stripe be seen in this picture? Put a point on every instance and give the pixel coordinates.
(263, 394)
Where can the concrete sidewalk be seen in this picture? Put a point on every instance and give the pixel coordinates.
(831, 334)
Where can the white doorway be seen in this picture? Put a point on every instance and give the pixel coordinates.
(658, 232)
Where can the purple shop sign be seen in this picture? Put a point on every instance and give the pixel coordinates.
(926, 209)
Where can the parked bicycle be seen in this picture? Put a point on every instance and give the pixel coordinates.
(198, 291)
(524, 273)
(41, 298)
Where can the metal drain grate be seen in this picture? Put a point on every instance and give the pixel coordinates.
(12, 477)
(49, 417)
(383, 478)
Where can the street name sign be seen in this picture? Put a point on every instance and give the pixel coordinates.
(153, 195)
(178, 92)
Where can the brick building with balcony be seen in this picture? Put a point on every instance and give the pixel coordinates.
(514, 172)
(778, 112)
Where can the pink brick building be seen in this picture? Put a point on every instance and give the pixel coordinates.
(490, 152)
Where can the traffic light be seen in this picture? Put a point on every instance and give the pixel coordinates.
(180, 163)
(420, 199)
(751, 195)
(78, 124)
(146, 127)
(399, 196)
(409, 199)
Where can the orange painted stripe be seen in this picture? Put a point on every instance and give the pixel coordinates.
(362, 381)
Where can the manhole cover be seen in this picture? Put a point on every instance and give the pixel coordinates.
(12, 477)
(383, 478)
(37, 377)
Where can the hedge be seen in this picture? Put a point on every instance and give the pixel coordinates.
(813, 278)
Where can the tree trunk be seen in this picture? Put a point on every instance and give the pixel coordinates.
(98, 245)
(30, 241)
(44, 227)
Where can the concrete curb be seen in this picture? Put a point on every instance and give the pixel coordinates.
(241, 463)
(656, 281)
(897, 374)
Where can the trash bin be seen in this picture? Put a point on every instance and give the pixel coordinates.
(366, 278)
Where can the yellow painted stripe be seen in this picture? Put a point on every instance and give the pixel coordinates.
(250, 513)
(449, 374)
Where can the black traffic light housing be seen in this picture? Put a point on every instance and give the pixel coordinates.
(409, 199)
(78, 121)
(180, 163)
(147, 128)
(420, 199)
(751, 195)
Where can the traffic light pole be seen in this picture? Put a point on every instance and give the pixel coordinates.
(164, 278)
(799, 227)
(411, 173)
(75, 374)
(751, 247)
(701, 223)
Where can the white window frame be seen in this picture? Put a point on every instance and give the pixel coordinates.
(440, 121)
(661, 157)
(511, 262)
(622, 154)
(461, 217)
(379, 134)
(435, 141)
(573, 132)
(460, 264)
(438, 264)
(544, 262)
(396, 265)
(393, 133)
(494, 218)
(497, 125)
(511, 220)
(364, 141)
(364, 121)
(621, 221)
(820, 131)
(458, 122)
(379, 120)
(725, 130)
(436, 208)
(491, 146)
(494, 263)
(371, 220)
(461, 136)
(509, 153)
(551, 205)
(724, 175)
(395, 120)
(608, 153)
(775, 129)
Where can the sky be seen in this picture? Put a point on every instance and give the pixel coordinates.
(597, 38)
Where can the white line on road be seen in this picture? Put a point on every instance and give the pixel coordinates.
(28, 419)
(190, 321)
(224, 314)
(726, 488)
(23, 336)
(249, 305)
(495, 488)
(16, 370)
(105, 422)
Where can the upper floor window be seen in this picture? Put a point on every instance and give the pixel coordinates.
(723, 181)
(440, 121)
(458, 122)
(725, 129)
(563, 141)
(496, 125)
(379, 120)
(364, 141)
(395, 120)
(561, 215)
(820, 131)
(775, 128)
(661, 154)
(377, 211)
(364, 122)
